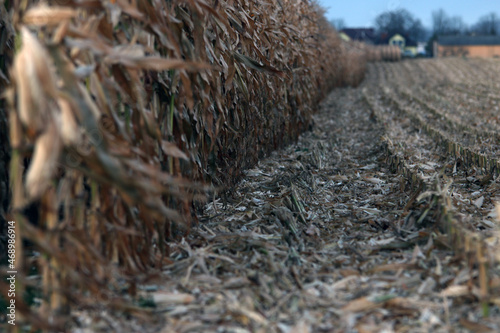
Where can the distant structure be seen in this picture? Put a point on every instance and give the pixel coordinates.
(408, 46)
(366, 35)
(467, 46)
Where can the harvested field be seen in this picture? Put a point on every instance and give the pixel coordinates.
(382, 218)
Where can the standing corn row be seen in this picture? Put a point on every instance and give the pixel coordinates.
(120, 110)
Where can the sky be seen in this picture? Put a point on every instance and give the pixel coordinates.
(361, 13)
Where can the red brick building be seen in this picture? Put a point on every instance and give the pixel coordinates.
(467, 46)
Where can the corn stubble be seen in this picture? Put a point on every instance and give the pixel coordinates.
(123, 110)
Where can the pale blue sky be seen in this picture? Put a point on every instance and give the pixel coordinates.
(361, 13)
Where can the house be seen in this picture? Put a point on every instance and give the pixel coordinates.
(407, 45)
(411, 48)
(467, 46)
(397, 40)
(366, 35)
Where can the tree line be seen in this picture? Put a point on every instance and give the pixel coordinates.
(403, 22)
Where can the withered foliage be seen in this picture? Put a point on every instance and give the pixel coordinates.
(6, 55)
(119, 110)
(369, 223)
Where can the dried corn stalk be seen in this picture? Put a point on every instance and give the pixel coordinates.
(123, 108)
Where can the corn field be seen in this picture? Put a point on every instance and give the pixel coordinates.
(209, 165)
(120, 118)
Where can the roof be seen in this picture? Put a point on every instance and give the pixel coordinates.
(360, 34)
(468, 40)
(384, 39)
(396, 36)
(410, 42)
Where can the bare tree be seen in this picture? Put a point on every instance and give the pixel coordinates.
(457, 26)
(487, 25)
(442, 24)
(439, 21)
(399, 21)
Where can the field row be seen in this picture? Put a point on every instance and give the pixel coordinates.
(443, 135)
(459, 115)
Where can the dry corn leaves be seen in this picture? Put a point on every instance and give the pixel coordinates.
(318, 239)
(118, 107)
(323, 236)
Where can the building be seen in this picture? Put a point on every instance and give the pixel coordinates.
(366, 35)
(397, 40)
(467, 46)
(407, 45)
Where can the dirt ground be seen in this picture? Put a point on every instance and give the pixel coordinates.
(381, 219)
